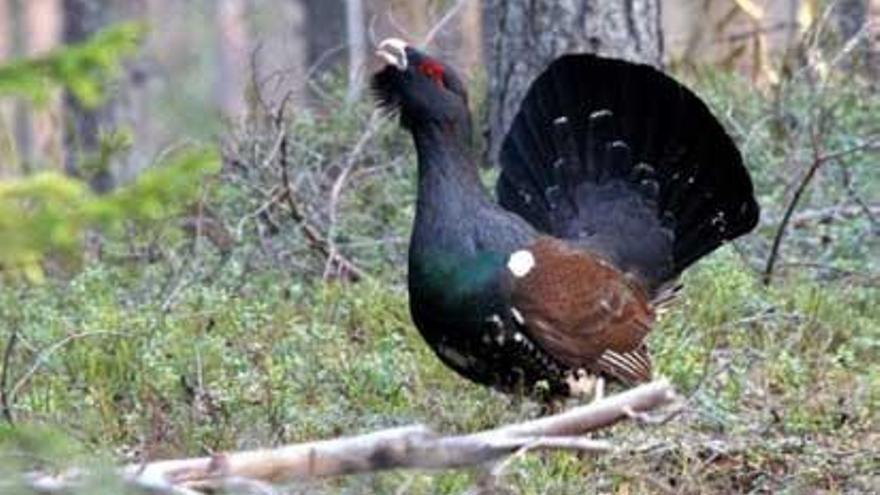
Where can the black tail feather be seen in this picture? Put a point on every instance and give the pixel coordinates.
(627, 161)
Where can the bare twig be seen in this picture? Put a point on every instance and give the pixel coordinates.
(871, 212)
(254, 71)
(786, 217)
(351, 162)
(837, 212)
(396, 24)
(46, 353)
(441, 24)
(176, 283)
(316, 241)
(819, 159)
(597, 415)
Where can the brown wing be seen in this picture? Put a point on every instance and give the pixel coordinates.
(582, 310)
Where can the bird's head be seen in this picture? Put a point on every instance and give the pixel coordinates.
(422, 88)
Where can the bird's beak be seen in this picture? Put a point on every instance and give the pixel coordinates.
(393, 51)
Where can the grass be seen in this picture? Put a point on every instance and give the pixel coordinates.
(201, 351)
(783, 381)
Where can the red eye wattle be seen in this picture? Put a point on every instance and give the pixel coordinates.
(433, 70)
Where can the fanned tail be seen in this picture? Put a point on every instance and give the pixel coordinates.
(628, 162)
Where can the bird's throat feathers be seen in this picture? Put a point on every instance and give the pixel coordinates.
(445, 159)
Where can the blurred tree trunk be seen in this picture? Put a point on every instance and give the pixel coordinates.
(874, 38)
(471, 47)
(357, 46)
(135, 98)
(524, 36)
(853, 17)
(416, 15)
(233, 61)
(281, 58)
(8, 151)
(325, 31)
(325, 34)
(746, 36)
(7, 35)
(82, 18)
(42, 28)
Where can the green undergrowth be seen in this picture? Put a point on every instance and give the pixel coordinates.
(300, 361)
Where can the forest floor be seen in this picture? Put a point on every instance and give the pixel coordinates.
(162, 346)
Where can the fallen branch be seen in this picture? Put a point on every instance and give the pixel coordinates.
(410, 447)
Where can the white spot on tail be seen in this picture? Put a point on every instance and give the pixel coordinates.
(495, 320)
(560, 120)
(517, 316)
(521, 263)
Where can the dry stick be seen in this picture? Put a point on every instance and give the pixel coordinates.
(865, 208)
(396, 24)
(407, 447)
(841, 212)
(780, 231)
(336, 191)
(255, 71)
(597, 415)
(275, 195)
(441, 24)
(819, 159)
(313, 237)
(46, 353)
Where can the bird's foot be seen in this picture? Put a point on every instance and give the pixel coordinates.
(582, 384)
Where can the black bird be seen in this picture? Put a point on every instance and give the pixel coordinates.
(615, 178)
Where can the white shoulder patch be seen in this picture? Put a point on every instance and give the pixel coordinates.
(521, 263)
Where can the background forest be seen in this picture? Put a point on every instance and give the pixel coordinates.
(203, 227)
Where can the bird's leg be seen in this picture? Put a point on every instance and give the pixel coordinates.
(550, 402)
(599, 392)
(583, 384)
